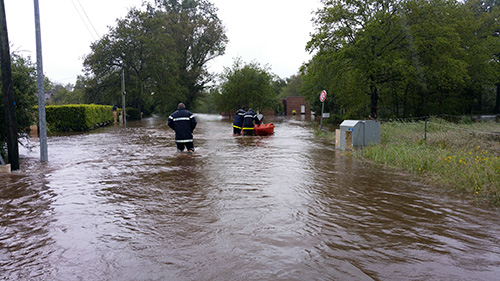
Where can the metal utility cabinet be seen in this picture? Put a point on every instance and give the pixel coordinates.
(358, 133)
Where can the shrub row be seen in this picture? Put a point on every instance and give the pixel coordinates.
(77, 117)
(133, 113)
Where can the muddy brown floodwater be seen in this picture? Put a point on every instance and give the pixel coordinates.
(121, 204)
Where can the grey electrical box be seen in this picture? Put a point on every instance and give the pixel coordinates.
(358, 133)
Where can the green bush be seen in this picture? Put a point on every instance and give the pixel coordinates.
(77, 117)
(133, 113)
(24, 83)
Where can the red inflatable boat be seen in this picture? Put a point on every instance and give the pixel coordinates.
(264, 129)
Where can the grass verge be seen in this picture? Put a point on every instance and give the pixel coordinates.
(464, 156)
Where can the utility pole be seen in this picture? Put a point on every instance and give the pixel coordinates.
(42, 126)
(8, 92)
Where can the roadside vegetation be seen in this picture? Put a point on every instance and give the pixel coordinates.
(464, 156)
(404, 58)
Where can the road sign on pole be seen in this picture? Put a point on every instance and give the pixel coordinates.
(322, 98)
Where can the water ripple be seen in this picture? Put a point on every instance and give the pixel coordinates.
(121, 204)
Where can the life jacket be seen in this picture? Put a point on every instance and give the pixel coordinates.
(183, 122)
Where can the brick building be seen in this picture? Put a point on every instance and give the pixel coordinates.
(296, 103)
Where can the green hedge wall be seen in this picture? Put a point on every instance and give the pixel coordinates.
(133, 113)
(77, 117)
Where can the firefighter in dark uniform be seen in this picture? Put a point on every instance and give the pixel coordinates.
(248, 121)
(238, 121)
(183, 123)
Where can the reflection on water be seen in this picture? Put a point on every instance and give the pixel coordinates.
(122, 204)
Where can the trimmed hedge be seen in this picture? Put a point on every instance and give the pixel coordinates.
(133, 113)
(77, 117)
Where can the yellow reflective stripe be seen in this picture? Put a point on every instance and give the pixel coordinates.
(237, 127)
(183, 141)
(247, 128)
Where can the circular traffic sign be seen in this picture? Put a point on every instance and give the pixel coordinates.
(322, 96)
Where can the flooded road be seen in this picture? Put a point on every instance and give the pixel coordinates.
(121, 204)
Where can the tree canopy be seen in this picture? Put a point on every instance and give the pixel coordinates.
(163, 51)
(65, 94)
(25, 88)
(247, 84)
(404, 58)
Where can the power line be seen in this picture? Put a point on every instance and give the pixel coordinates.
(83, 20)
(65, 78)
(97, 33)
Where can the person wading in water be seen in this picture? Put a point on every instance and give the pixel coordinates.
(248, 122)
(238, 121)
(182, 121)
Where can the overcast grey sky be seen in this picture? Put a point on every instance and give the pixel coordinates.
(270, 32)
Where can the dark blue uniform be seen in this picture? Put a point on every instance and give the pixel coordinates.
(238, 121)
(248, 121)
(183, 123)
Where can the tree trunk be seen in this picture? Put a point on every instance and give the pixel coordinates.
(497, 104)
(8, 92)
(374, 102)
(405, 95)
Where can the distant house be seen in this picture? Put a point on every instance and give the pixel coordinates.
(290, 104)
(296, 103)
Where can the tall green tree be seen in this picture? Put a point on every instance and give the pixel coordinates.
(25, 88)
(437, 52)
(65, 94)
(410, 57)
(138, 47)
(360, 37)
(199, 37)
(483, 57)
(247, 84)
(292, 87)
(163, 50)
